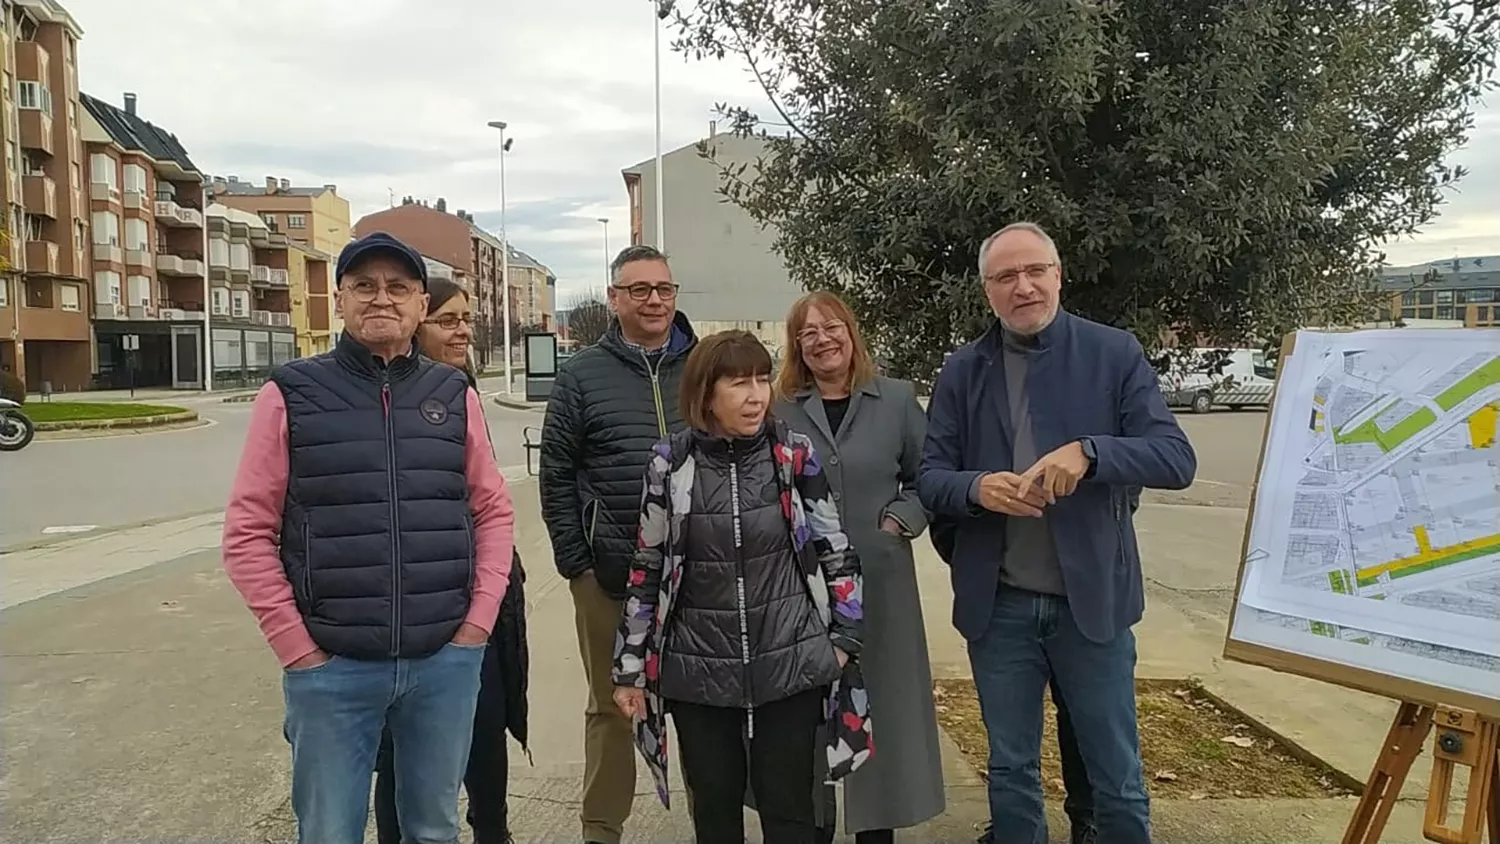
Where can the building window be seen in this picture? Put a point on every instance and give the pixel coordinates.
(1445, 297)
(137, 236)
(68, 298)
(268, 218)
(220, 302)
(80, 236)
(107, 287)
(4, 292)
(239, 256)
(34, 96)
(296, 221)
(106, 228)
(135, 178)
(1481, 295)
(241, 303)
(139, 288)
(218, 253)
(102, 170)
(1443, 312)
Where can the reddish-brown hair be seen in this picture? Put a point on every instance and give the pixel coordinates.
(728, 354)
(795, 375)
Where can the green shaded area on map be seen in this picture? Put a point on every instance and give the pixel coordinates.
(1339, 581)
(1369, 432)
(1447, 560)
(1485, 376)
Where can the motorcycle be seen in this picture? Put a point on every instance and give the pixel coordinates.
(16, 430)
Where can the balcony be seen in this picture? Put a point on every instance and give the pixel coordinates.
(138, 258)
(260, 317)
(190, 218)
(109, 252)
(165, 210)
(36, 130)
(104, 310)
(172, 310)
(278, 278)
(40, 195)
(177, 265)
(41, 257)
(104, 192)
(260, 274)
(140, 312)
(32, 61)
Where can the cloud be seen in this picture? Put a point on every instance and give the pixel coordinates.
(391, 98)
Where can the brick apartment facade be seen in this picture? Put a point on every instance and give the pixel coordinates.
(454, 240)
(147, 248)
(44, 296)
(314, 216)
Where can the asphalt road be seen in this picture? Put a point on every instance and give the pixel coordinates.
(120, 480)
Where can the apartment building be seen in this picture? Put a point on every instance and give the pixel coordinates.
(452, 239)
(147, 248)
(535, 305)
(314, 320)
(250, 297)
(1462, 291)
(44, 296)
(731, 277)
(312, 216)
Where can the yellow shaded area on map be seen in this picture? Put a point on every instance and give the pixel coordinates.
(1482, 426)
(1428, 558)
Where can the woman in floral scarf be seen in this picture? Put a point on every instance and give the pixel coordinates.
(743, 616)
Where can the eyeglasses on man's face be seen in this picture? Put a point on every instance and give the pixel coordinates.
(399, 292)
(450, 322)
(641, 291)
(1032, 272)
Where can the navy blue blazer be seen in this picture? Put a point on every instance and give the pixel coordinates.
(1085, 380)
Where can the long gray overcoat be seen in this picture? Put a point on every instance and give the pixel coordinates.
(872, 463)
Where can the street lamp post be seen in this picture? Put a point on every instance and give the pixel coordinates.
(662, 8)
(605, 221)
(505, 256)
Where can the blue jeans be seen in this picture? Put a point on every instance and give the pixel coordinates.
(1030, 638)
(335, 713)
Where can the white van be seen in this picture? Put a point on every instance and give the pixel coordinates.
(1245, 381)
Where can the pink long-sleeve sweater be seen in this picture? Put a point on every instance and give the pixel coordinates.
(252, 524)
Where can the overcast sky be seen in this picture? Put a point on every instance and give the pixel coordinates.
(393, 95)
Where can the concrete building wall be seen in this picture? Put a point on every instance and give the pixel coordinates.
(719, 255)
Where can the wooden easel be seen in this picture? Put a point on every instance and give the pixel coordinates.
(1464, 738)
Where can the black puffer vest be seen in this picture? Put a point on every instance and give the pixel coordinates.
(744, 630)
(376, 535)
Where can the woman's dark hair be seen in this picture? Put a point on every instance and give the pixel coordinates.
(728, 354)
(440, 290)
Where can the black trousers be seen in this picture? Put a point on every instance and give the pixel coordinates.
(486, 778)
(778, 763)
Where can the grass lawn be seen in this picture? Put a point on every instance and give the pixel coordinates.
(70, 411)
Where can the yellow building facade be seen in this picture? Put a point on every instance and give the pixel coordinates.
(308, 277)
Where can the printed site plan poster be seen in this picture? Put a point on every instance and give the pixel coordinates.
(1376, 536)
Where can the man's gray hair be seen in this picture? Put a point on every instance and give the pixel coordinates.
(630, 255)
(1031, 228)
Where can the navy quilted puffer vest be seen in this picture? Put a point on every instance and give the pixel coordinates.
(376, 535)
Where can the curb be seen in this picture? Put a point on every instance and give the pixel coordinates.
(158, 421)
(518, 404)
(47, 541)
(240, 399)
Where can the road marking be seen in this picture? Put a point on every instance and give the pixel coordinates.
(69, 529)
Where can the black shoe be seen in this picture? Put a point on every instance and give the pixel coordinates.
(1085, 833)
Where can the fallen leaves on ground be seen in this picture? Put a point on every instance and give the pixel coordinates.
(1192, 749)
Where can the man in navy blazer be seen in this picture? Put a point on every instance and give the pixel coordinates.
(1038, 432)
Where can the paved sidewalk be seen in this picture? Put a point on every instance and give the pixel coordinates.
(142, 705)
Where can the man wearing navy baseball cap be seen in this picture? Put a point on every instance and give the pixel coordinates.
(376, 596)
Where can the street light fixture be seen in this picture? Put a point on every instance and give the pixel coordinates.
(505, 255)
(605, 221)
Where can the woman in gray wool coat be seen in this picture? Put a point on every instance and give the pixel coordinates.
(869, 430)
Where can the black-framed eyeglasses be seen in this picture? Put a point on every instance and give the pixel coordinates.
(449, 322)
(1033, 272)
(366, 291)
(641, 291)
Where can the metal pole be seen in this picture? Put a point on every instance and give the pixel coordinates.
(505, 266)
(208, 300)
(661, 236)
